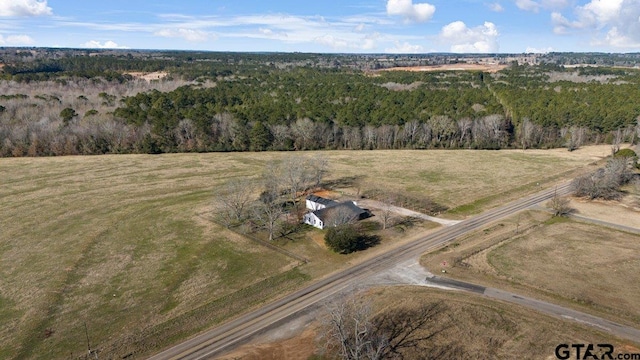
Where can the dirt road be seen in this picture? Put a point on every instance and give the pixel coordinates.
(369, 203)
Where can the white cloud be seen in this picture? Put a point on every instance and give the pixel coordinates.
(24, 8)
(94, 44)
(332, 41)
(602, 11)
(528, 5)
(367, 42)
(16, 40)
(273, 34)
(615, 23)
(560, 23)
(405, 48)
(533, 50)
(462, 39)
(346, 34)
(495, 7)
(555, 4)
(187, 34)
(537, 5)
(421, 12)
(620, 40)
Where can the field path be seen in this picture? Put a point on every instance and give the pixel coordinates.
(369, 203)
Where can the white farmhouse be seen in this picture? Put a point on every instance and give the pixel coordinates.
(316, 202)
(325, 212)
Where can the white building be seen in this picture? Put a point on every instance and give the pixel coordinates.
(325, 212)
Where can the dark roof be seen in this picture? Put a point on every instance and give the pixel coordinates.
(321, 200)
(341, 213)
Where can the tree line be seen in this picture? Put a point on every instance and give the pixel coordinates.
(256, 104)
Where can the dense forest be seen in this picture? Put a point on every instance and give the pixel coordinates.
(65, 102)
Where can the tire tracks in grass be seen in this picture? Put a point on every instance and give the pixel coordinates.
(34, 337)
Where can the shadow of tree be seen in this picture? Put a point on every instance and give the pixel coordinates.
(366, 241)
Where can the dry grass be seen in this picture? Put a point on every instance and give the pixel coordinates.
(625, 212)
(115, 242)
(468, 180)
(485, 329)
(122, 242)
(584, 266)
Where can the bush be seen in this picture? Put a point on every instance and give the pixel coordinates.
(628, 154)
(342, 239)
(560, 206)
(625, 153)
(345, 239)
(67, 114)
(604, 183)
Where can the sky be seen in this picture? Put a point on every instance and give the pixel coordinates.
(326, 26)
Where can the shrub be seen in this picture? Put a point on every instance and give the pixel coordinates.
(604, 183)
(342, 239)
(347, 238)
(67, 114)
(628, 154)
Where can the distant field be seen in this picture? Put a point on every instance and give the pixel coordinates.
(466, 181)
(123, 242)
(452, 67)
(585, 266)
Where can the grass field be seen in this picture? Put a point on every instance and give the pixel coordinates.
(485, 329)
(123, 243)
(585, 266)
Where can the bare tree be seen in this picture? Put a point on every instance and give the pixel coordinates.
(268, 212)
(281, 134)
(442, 129)
(386, 213)
(604, 183)
(348, 331)
(369, 136)
(304, 131)
(464, 130)
(618, 136)
(318, 167)
(410, 132)
(559, 205)
(576, 137)
(233, 198)
(352, 331)
(295, 175)
(353, 138)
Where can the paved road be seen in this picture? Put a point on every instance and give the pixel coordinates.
(620, 330)
(412, 273)
(226, 337)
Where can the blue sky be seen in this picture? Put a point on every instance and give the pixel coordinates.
(328, 26)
